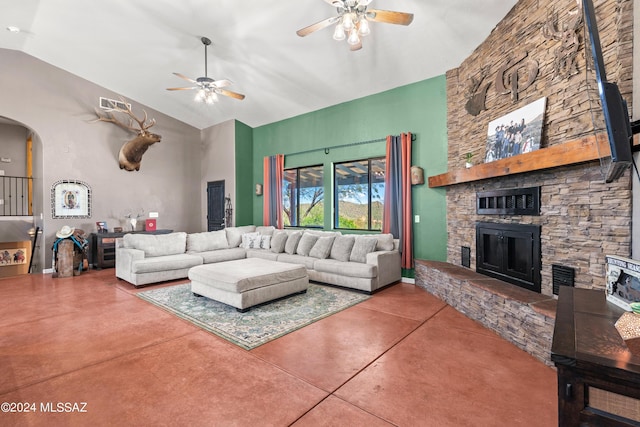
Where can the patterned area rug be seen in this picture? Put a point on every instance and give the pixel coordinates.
(259, 325)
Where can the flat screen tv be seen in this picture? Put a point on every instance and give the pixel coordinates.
(614, 107)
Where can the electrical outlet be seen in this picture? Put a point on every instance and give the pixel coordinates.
(1, 202)
(416, 219)
(1, 172)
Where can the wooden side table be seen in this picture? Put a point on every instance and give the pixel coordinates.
(598, 377)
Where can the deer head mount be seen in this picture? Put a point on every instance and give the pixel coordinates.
(131, 152)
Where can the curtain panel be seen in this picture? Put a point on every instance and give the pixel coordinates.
(398, 209)
(272, 198)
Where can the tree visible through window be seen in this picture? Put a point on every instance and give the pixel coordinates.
(303, 197)
(359, 194)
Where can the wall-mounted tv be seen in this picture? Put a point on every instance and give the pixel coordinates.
(614, 107)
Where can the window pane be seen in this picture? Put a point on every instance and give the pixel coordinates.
(290, 197)
(352, 188)
(311, 202)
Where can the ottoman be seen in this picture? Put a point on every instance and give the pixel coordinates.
(244, 283)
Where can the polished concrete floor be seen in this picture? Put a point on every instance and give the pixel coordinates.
(86, 351)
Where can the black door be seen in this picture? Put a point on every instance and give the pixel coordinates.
(215, 205)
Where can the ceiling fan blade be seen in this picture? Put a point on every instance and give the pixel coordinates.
(181, 88)
(390, 17)
(317, 26)
(230, 94)
(221, 83)
(182, 76)
(356, 46)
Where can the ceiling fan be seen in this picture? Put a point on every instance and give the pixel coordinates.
(208, 88)
(353, 19)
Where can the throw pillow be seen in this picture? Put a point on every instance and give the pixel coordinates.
(341, 249)
(250, 240)
(278, 240)
(265, 242)
(361, 248)
(292, 242)
(385, 241)
(306, 243)
(234, 234)
(322, 248)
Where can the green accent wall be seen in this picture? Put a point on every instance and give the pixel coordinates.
(244, 181)
(419, 108)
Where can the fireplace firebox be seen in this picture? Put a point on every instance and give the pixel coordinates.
(509, 252)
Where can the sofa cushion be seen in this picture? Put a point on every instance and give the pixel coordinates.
(292, 242)
(306, 243)
(278, 240)
(261, 253)
(361, 247)
(265, 230)
(234, 234)
(349, 269)
(164, 263)
(322, 248)
(157, 244)
(341, 248)
(250, 240)
(297, 259)
(221, 255)
(207, 241)
(384, 241)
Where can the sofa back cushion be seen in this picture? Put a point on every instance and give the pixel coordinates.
(265, 230)
(361, 247)
(278, 240)
(306, 243)
(234, 234)
(341, 248)
(322, 247)
(292, 242)
(207, 241)
(157, 244)
(384, 241)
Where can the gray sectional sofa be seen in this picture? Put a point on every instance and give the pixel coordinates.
(363, 262)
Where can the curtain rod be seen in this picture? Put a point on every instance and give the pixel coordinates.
(326, 149)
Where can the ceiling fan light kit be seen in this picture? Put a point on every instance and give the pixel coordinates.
(207, 88)
(352, 21)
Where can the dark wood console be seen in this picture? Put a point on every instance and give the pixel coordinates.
(598, 377)
(102, 246)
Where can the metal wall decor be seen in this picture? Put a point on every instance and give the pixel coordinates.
(508, 75)
(70, 199)
(567, 33)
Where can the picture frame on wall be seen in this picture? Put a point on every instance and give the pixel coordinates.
(70, 199)
(516, 133)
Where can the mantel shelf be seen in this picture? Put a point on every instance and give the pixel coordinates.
(580, 150)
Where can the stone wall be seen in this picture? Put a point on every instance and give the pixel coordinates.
(582, 218)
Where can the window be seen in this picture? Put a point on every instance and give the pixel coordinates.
(303, 197)
(359, 194)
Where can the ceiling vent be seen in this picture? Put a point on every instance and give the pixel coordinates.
(110, 104)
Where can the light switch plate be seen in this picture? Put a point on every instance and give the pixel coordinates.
(153, 214)
(417, 219)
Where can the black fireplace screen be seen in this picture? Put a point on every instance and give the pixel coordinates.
(509, 252)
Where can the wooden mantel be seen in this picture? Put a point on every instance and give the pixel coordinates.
(581, 150)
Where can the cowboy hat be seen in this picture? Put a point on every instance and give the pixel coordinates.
(65, 232)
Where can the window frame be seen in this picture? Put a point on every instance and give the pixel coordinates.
(336, 195)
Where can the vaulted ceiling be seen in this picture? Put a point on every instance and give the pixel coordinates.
(132, 47)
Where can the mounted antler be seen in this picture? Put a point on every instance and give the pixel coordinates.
(131, 152)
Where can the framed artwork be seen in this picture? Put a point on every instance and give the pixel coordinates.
(517, 132)
(13, 256)
(70, 199)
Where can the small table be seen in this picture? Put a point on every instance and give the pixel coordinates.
(247, 282)
(598, 377)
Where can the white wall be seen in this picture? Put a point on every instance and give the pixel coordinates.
(13, 147)
(218, 162)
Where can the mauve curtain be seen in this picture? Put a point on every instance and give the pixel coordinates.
(396, 217)
(272, 199)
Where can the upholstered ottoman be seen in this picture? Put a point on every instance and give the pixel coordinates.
(244, 283)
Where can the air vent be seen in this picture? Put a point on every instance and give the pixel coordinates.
(109, 104)
(516, 201)
(562, 276)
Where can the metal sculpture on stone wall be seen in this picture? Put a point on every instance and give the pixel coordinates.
(508, 76)
(565, 62)
(477, 95)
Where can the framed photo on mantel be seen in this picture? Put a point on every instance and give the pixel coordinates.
(70, 199)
